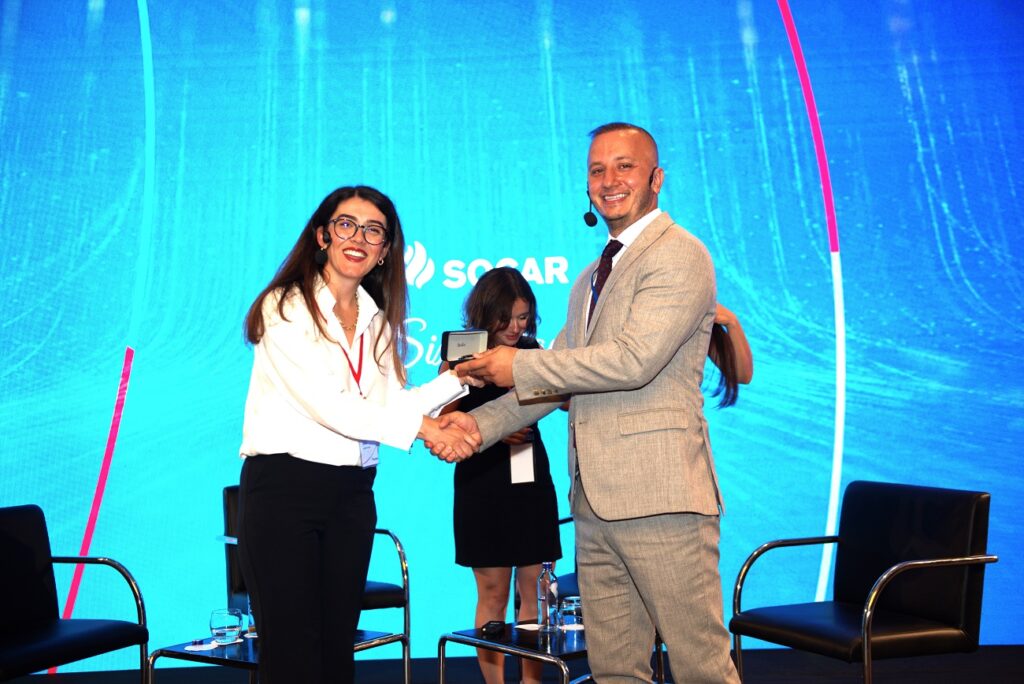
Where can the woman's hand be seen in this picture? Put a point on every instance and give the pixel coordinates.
(468, 379)
(519, 437)
(465, 380)
(741, 348)
(447, 440)
(725, 317)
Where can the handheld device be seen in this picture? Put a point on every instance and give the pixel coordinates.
(493, 628)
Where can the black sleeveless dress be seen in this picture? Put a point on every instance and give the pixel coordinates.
(497, 523)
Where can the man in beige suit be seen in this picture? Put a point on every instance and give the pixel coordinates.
(645, 496)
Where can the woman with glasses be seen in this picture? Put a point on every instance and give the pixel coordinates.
(327, 389)
(505, 513)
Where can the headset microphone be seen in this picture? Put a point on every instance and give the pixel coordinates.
(589, 218)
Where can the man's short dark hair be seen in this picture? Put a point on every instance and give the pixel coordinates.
(623, 126)
(619, 126)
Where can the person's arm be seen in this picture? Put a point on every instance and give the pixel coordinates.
(506, 415)
(433, 396)
(293, 364)
(521, 436)
(674, 295)
(742, 356)
(453, 406)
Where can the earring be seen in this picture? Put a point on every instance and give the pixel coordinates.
(321, 257)
(380, 262)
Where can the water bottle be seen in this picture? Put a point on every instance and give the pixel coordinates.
(547, 599)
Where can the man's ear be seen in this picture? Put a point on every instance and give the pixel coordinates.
(657, 178)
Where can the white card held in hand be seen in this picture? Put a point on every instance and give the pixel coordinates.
(521, 460)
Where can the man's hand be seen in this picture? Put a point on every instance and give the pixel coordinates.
(467, 424)
(449, 443)
(493, 365)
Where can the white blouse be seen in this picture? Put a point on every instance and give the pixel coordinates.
(304, 399)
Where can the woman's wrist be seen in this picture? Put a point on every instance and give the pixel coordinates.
(427, 427)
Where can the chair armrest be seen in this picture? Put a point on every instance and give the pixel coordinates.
(764, 548)
(883, 581)
(98, 560)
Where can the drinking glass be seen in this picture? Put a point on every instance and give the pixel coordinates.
(572, 613)
(251, 634)
(225, 625)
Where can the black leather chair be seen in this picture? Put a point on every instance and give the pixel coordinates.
(909, 569)
(377, 595)
(33, 636)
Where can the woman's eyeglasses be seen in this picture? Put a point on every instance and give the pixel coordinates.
(345, 227)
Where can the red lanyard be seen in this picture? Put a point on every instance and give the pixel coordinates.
(357, 372)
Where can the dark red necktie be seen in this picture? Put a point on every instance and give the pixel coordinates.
(604, 268)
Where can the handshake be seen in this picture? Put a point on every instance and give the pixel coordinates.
(452, 437)
(455, 436)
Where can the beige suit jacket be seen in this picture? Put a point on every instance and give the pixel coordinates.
(637, 427)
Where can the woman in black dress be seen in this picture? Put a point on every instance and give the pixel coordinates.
(505, 514)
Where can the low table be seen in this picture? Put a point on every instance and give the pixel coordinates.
(552, 648)
(245, 655)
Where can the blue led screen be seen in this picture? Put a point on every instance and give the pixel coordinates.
(158, 161)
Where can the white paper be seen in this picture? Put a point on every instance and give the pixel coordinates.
(521, 461)
(237, 640)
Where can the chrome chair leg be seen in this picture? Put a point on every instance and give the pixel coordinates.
(738, 653)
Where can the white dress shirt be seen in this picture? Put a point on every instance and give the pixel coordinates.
(627, 237)
(630, 234)
(303, 396)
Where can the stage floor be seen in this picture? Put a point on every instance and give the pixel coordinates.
(990, 664)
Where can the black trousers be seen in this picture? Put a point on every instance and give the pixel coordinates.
(305, 536)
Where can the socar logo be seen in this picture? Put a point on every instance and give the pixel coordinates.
(419, 268)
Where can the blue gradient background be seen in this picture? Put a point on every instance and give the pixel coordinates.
(153, 174)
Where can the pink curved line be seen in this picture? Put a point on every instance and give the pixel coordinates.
(837, 291)
(812, 116)
(101, 484)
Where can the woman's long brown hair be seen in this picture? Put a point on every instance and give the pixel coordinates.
(385, 283)
(724, 356)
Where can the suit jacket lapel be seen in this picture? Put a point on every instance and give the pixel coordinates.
(580, 302)
(643, 241)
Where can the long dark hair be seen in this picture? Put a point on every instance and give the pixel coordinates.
(724, 356)
(385, 283)
(489, 305)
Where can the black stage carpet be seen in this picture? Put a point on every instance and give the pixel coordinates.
(989, 665)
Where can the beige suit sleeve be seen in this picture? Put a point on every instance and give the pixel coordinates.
(672, 297)
(505, 415)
